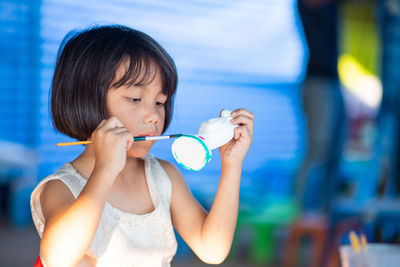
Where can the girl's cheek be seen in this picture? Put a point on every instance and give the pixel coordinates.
(130, 124)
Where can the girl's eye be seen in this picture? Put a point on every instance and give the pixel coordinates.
(160, 104)
(133, 100)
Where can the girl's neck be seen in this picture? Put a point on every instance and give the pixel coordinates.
(85, 163)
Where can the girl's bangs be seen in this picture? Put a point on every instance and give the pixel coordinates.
(140, 71)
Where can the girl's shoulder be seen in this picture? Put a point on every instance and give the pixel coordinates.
(169, 168)
(68, 176)
(173, 173)
(56, 190)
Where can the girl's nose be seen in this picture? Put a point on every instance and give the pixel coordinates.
(151, 116)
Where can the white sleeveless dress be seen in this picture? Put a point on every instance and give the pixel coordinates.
(124, 239)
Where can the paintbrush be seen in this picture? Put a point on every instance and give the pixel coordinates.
(135, 139)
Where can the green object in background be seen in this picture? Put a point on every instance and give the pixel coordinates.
(262, 249)
(277, 212)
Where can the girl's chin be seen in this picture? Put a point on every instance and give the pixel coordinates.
(140, 149)
(137, 153)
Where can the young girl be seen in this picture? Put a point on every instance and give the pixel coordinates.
(115, 205)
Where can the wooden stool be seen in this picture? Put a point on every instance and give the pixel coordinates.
(313, 226)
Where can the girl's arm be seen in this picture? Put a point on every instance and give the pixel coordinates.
(210, 235)
(70, 224)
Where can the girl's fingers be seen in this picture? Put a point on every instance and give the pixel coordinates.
(117, 130)
(112, 122)
(128, 138)
(242, 111)
(101, 124)
(243, 119)
(125, 134)
(242, 131)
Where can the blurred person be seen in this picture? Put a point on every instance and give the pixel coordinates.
(116, 205)
(389, 112)
(323, 106)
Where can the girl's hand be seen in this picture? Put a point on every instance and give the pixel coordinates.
(111, 140)
(235, 150)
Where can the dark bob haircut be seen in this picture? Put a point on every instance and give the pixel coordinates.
(86, 65)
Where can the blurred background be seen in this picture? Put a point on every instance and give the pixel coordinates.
(322, 77)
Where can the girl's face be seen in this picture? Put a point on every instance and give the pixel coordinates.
(139, 108)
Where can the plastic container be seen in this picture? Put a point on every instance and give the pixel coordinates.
(376, 255)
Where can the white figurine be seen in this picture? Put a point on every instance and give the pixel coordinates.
(217, 131)
(193, 152)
